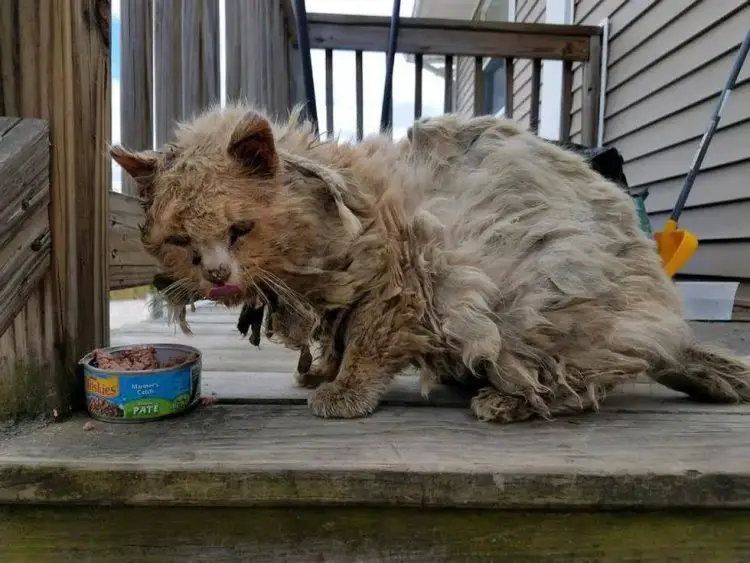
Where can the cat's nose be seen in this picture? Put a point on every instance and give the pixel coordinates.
(218, 275)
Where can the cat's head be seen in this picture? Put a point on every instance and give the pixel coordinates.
(228, 208)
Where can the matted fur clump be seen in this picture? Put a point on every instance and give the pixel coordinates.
(472, 249)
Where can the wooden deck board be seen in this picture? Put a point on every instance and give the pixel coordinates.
(251, 455)
(648, 447)
(338, 535)
(235, 370)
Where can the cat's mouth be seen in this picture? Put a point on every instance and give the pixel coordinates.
(224, 291)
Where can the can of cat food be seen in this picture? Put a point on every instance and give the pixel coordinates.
(141, 383)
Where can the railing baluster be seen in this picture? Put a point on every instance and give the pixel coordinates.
(479, 102)
(329, 92)
(418, 86)
(536, 81)
(448, 93)
(509, 87)
(303, 41)
(360, 96)
(567, 100)
(386, 113)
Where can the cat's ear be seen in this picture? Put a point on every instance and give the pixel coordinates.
(141, 166)
(252, 145)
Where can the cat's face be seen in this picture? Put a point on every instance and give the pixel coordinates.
(225, 213)
(212, 210)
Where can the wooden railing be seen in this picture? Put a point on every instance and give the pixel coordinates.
(480, 40)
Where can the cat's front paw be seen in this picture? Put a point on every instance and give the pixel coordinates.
(312, 378)
(334, 400)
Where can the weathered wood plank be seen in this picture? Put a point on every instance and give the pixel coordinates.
(56, 67)
(258, 55)
(129, 264)
(233, 61)
(24, 176)
(167, 67)
(200, 55)
(366, 535)
(447, 37)
(136, 81)
(253, 387)
(24, 261)
(281, 455)
(6, 124)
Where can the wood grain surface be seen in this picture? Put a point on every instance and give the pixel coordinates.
(335, 535)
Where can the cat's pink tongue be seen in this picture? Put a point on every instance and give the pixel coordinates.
(227, 290)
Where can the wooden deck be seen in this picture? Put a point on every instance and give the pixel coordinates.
(340, 491)
(648, 448)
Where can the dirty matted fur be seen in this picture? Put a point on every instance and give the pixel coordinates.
(473, 249)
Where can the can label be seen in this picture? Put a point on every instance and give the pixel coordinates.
(141, 396)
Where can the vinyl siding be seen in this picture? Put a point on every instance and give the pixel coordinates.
(528, 11)
(464, 85)
(667, 64)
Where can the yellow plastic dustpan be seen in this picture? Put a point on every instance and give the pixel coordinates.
(676, 246)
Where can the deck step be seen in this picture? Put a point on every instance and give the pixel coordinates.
(647, 448)
(365, 535)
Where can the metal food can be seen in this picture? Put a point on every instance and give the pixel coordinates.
(144, 395)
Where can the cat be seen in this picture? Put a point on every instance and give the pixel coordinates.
(471, 248)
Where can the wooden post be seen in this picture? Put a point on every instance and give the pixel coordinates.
(54, 62)
(591, 85)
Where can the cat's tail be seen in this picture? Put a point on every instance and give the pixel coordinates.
(706, 373)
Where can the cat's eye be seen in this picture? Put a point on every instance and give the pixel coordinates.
(239, 230)
(178, 240)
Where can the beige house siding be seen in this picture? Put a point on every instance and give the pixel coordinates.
(667, 64)
(527, 11)
(464, 86)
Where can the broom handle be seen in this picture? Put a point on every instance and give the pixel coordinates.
(705, 141)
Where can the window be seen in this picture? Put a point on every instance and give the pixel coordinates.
(494, 69)
(494, 86)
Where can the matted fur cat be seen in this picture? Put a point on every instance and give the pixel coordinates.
(472, 249)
